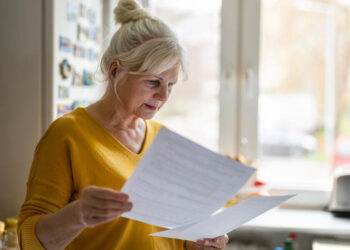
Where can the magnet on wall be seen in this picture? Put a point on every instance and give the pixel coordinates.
(92, 33)
(63, 92)
(65, 44)
(77, 79)
(83, 10)
(72, 12)
(63, 109)
(87, 78)
(65, 69)
(92, 55)
(91, 16)
(79, 51)
(98, 35)
(80, 103)
(83, 33)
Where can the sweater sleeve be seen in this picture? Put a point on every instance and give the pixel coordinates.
(50, 184)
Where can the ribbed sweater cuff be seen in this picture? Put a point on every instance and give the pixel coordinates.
(27, 236)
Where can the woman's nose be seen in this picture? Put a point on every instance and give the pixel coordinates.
(163, 93)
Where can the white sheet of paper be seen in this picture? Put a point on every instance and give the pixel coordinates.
(178, 182)
(225, 221)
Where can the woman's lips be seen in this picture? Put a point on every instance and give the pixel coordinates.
(151, 107)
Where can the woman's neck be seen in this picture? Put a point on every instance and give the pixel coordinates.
(110, 112)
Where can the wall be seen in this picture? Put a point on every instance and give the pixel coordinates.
(20, 97)
(26, 90)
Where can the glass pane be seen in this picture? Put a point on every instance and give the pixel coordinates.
(193, 107)
(304, 110)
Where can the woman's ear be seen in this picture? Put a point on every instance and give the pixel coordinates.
(112, 72)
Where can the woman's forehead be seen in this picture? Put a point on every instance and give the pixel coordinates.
(170, 74)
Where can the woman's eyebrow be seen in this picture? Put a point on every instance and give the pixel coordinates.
(158, 77)
(161, 79)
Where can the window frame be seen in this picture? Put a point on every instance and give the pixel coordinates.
(239, 78)
(239, 95)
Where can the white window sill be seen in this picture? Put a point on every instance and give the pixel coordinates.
(299, 221)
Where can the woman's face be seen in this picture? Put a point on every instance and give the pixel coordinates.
(143, 96)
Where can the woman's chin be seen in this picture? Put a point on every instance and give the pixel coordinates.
(147, 116)
(146, 113)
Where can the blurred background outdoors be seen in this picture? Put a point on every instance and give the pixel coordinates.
(304, 87)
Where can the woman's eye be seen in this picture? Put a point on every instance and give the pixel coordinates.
(170, 84)
(153, 82)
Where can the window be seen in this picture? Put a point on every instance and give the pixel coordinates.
(283, 101)
(303, 117)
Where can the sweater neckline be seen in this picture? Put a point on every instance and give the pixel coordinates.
(114, 139)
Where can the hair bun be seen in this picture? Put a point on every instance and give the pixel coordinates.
(128, 10)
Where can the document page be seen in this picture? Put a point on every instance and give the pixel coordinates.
(179, 182)
(226, 220)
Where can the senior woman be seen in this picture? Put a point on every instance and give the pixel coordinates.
(86, 156)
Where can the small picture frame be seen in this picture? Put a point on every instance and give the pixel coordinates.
(65, 44)
(72, 12)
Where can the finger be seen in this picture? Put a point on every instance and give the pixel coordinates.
(208, 243)
(218, 242)
(225, 238)
(201, 247)
(115, 196)
(122, 207)
(92, 221)
(230, 156)
(110, 215)
(105, 193)
(103, 203)
(204, 244)
(105, 212)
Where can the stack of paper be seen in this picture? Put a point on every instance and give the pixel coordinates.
(179, 185)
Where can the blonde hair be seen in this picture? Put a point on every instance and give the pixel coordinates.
(143, 44)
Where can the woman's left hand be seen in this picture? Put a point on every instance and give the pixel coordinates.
(209, 244)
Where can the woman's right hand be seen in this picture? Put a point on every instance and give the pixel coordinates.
(99, 205)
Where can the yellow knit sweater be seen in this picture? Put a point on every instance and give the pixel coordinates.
(75, 152)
